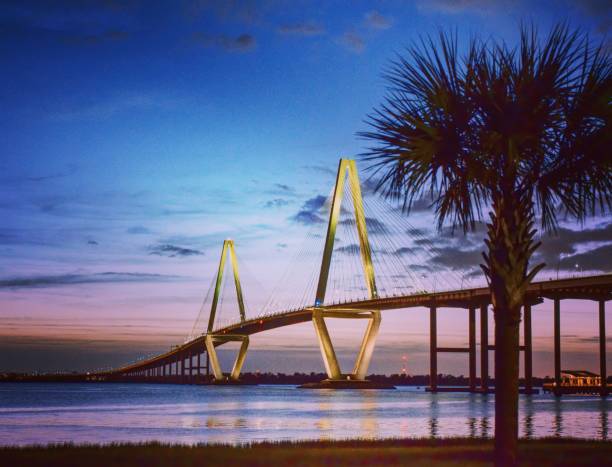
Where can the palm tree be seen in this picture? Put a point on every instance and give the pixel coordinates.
(520, 132)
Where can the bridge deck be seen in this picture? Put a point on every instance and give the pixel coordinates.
(586, 288)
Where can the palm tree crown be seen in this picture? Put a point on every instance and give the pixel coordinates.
(496, 122)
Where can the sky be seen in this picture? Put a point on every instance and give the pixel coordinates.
(136, 136)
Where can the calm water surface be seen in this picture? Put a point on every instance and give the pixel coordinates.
(33, 413)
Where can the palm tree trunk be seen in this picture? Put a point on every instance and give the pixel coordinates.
(511, 245)
(506, 384)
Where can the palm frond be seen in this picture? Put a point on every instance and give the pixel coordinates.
(530, 120)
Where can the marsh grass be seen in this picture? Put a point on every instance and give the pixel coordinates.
(359, 452)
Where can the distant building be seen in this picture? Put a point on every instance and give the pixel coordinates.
(573, 378)
(575, 382)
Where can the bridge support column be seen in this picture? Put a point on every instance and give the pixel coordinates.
(472, 347)
(528, 353)
(602, 347)
(182, 363)
(330, 360)
(433, 349)
(557, 338)
(210, 341)
(484, 348)
(199, 367)
(191, 367)
(189, 358)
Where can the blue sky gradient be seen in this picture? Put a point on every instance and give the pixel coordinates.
(135, 136)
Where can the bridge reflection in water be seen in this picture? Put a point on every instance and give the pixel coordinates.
(193, 361)
(195, 414)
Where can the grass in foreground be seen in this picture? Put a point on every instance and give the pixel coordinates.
(425, 452)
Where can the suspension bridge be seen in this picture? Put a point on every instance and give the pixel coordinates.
(373, 259)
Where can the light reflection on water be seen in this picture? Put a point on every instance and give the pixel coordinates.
(32, 413)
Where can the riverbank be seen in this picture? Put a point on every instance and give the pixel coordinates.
(257, 378)
(420, 452)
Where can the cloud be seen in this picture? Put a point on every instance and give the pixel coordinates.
(240, 11)
(21, 179)
(111, 35)
(307, 218)
(374, 20)
(283, 187)
(315, 204)
(421, 205)
(241, 43)
(281, 190)
(68, 8)
(71, 23)
(75, 279)
(301, 29)
(423, 241)
(44, 178)
(600, 10)
(417, 232)
(351, 249)
(590, 248)
(597, 259)
(591, 339)
(277, 203)
(405, 250)
(594, 7)
(320, 168)
(353, 42)
(373, 225)
(138, 230)
(172, 251)
(106, 107)
(555, 247)
(460, 6)
(310, 212)
(457, 259)
(456, 237)
(40, 237)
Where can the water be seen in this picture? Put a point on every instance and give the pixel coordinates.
(35, 413)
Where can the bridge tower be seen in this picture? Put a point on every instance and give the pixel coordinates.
(212, 339)
(346, 168)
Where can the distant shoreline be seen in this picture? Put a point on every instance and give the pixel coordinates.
(266, 378)
(388, 452)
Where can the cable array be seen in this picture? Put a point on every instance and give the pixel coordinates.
(405, 259)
